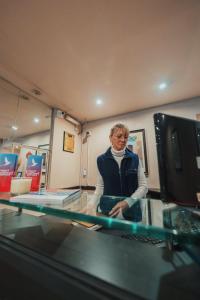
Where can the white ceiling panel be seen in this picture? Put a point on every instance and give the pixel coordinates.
(76, 51)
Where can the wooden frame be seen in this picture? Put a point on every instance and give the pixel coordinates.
(68, 142)
(137, 144)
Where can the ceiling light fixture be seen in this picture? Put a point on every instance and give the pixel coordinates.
(15, 127)
(99, 102)
(36, 120)
(24, 97)
(163, 86)
(36, 92)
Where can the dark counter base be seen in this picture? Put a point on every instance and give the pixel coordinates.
(61, 261)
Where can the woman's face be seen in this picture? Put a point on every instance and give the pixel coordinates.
(119, 139)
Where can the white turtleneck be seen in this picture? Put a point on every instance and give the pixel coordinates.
(142, 182)
(118, 155)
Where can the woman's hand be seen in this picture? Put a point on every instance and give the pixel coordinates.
(120, 206)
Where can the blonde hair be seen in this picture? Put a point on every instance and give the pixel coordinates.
(119, 126)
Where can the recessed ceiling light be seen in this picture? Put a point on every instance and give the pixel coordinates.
(14, 127)
(162, 86)
(36, 120)
(99, 102)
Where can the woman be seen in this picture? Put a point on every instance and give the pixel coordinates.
(120, 173)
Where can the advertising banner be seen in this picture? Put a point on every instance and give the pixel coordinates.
(33, 170)
(8, 163)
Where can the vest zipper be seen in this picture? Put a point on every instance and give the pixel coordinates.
(120, 175)
(120, 178)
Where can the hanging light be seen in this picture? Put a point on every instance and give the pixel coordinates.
(14, 126)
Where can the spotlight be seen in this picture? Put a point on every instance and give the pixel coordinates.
(163, 86)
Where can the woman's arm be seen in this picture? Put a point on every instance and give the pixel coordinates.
(99, 186)
(142, 187)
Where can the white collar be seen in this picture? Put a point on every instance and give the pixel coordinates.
(118, 153)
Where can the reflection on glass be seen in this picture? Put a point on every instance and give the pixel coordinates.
(198, 138)
(24, 126)
(177, 222)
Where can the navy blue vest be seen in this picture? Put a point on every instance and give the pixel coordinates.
(121, 181)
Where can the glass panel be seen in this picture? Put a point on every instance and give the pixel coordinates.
(24, 126)
(159, 220)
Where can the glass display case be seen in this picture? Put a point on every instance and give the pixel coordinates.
(48, 246)
(160, 220)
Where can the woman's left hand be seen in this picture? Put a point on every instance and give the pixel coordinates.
(120, 206)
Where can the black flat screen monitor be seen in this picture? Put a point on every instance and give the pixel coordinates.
(178, 150)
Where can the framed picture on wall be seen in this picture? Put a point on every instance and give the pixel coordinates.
(44, 156)
(43, 150)
(68, 142)
(137, 144)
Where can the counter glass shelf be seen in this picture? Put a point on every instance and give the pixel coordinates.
(160, 220)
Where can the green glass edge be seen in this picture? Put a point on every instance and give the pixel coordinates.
(111, 223)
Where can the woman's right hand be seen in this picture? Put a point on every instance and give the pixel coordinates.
(119, 207)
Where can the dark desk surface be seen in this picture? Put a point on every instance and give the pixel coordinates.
(132, 267)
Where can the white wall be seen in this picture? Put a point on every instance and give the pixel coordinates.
(99, 141)
(65, 166)
(40, 138)
(34, 140)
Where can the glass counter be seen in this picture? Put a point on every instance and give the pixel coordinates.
(48, 257)
(159, 220)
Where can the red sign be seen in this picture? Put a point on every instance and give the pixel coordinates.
(8, 164)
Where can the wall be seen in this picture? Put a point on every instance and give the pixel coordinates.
(40, 138)
(34, 140)
(99, 141)
(65, 166)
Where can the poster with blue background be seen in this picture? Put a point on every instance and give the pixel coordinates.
(8, 163)
(33, 170)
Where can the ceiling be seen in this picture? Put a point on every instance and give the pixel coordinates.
(75, 51)
(20, 109)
